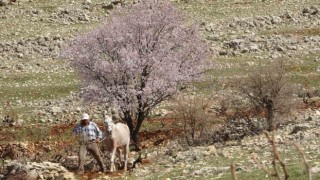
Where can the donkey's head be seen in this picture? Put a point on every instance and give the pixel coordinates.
(108, 123)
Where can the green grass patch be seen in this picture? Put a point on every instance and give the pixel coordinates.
(38, 28)
(309, 80)
(37, 78)
(36, 92)
(37, 86)
(302, 68)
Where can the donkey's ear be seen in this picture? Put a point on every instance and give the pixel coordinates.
(107, 119)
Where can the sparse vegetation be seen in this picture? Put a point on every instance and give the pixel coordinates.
(192, 115)
(268, 91)
(242, 35)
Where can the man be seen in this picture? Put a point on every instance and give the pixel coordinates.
(90, 135)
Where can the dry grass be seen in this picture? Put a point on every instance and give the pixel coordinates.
(294, 31)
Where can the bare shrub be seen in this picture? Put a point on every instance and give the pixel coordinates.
(268, 91)
(236, 130)
(10, 116)
(240, 119)
(191, 113)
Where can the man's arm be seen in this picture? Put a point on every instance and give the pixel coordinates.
(77, 129)
(98, 131)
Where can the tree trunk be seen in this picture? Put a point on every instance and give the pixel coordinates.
(134, 129)
(270, 115)
(129, 121)
(135, 134)
(135, 139)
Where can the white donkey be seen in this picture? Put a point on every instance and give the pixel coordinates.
(117, 136)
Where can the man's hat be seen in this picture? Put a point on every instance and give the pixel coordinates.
(85, 116)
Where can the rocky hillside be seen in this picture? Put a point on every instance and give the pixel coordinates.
(42, 87)
(40, 90)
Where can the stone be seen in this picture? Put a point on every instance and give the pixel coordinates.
(317, 113)
(4, 2)
(235, 43)
(116, 2)
(315, 170)
(253, 47)
(315, 12)
(55, 110)
(47, 175)
(22, 145)
(292, 47)
(279, 48)
(108, 6)
(223, 53)
(32, 175)
(78, 109)
(20, 66)
(87, 2)
(65, 176)
(276, 20)
(20, 55)
(212, 149)
(71, 159)
(306, 10)
(250, 63)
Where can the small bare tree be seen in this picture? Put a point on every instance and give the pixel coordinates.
(268, 90)
(10, 115)
(191, 112)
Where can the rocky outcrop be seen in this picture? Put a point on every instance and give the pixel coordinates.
(34, 171)
(44, 46)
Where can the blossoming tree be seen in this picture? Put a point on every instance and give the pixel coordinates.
(141, 56)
